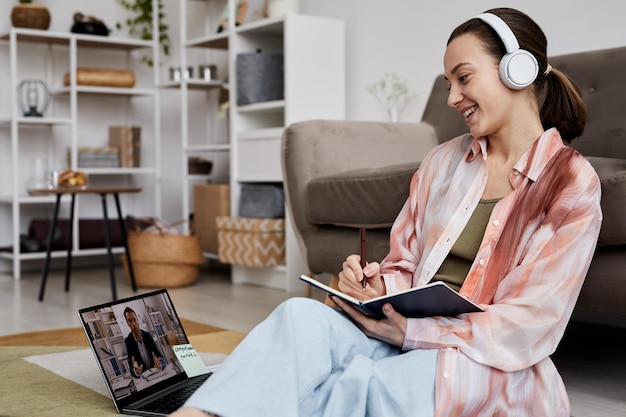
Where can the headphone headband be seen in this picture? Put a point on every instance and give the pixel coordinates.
(502, 29)
(518, 68)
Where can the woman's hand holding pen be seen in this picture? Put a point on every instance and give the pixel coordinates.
(391, 329)
(352, 276)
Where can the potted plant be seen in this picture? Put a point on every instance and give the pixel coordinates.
(29, 15)
(141, 24)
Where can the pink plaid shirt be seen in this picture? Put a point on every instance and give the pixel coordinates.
(527, 274)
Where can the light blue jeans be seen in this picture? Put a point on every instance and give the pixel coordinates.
(307, 359)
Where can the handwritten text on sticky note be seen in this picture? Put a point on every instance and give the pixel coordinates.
(190, 360)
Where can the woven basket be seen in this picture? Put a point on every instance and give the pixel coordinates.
(103, 77)
(161, 275)
(163, 259)
(31, 16)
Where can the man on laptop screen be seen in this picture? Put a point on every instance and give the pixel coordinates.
(142, 351)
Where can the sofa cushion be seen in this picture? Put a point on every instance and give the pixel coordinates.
(612, 173)
(369, 198)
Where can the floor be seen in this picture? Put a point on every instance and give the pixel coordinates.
(591, 358)
(213, 300)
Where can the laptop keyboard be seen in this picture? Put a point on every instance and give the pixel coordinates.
(175, 399)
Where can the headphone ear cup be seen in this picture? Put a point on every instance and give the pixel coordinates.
(518, 69)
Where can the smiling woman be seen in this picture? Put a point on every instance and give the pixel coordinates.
(524, 265)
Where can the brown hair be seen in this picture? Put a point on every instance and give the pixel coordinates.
(559, 100)
(129, 310)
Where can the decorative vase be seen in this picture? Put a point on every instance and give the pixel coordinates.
(394, 114)
(40, 178)
(31, 16)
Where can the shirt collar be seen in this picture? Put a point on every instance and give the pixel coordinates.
(534, 160)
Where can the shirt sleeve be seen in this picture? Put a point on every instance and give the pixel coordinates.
(535, 299)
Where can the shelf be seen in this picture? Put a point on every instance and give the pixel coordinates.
(37, 121)
(46, 121)
(264, 107)
(81, 89)
(61, 253)
(116, 171)
(194, 84)
(27, 199)
(271, 26)
(197, 177)
(218, 41)
(261, 134)
(218, 147)
(63, 38)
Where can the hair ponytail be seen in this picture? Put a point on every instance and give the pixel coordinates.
(563, 106)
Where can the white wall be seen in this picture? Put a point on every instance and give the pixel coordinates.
(409, 37)
(403, 36)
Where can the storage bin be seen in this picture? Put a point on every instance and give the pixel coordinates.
(251, 242)
(260, 77)
(262, 201)
(162, 259)
(161, 274)
(259, 155)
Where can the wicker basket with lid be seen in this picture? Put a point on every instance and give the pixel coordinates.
(31, 16)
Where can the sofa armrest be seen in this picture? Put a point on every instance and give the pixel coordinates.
(318, 148)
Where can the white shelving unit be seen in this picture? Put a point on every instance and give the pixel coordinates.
(202, 133)
(314, 88)
(78, 116)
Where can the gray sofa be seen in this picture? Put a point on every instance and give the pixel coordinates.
(342, 175)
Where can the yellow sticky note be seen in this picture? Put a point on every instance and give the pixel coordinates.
(190, 360)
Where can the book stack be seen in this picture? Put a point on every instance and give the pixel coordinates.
(100, 157)
(128, 140)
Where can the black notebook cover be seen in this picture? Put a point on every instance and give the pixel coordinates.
(434, 299)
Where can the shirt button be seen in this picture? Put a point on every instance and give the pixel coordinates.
(481, 262)
(516, 173)
(496, 223)
(446, 375)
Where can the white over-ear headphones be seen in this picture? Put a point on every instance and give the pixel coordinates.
(518, 67)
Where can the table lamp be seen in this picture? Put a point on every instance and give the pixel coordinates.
(33, 97)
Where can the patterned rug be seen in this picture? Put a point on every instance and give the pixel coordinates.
(33, 364)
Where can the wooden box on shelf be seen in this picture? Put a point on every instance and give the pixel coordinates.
(103, 77)
(210, 202)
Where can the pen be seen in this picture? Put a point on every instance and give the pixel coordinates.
(363, 256)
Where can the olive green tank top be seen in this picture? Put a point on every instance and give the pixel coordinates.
(457, 264)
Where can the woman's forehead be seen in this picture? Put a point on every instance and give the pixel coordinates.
(464, 50)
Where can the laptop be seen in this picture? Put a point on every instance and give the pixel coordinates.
(136, 384)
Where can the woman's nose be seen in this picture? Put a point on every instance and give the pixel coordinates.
(454, 96)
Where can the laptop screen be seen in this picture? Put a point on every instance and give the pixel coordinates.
(132, 340)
